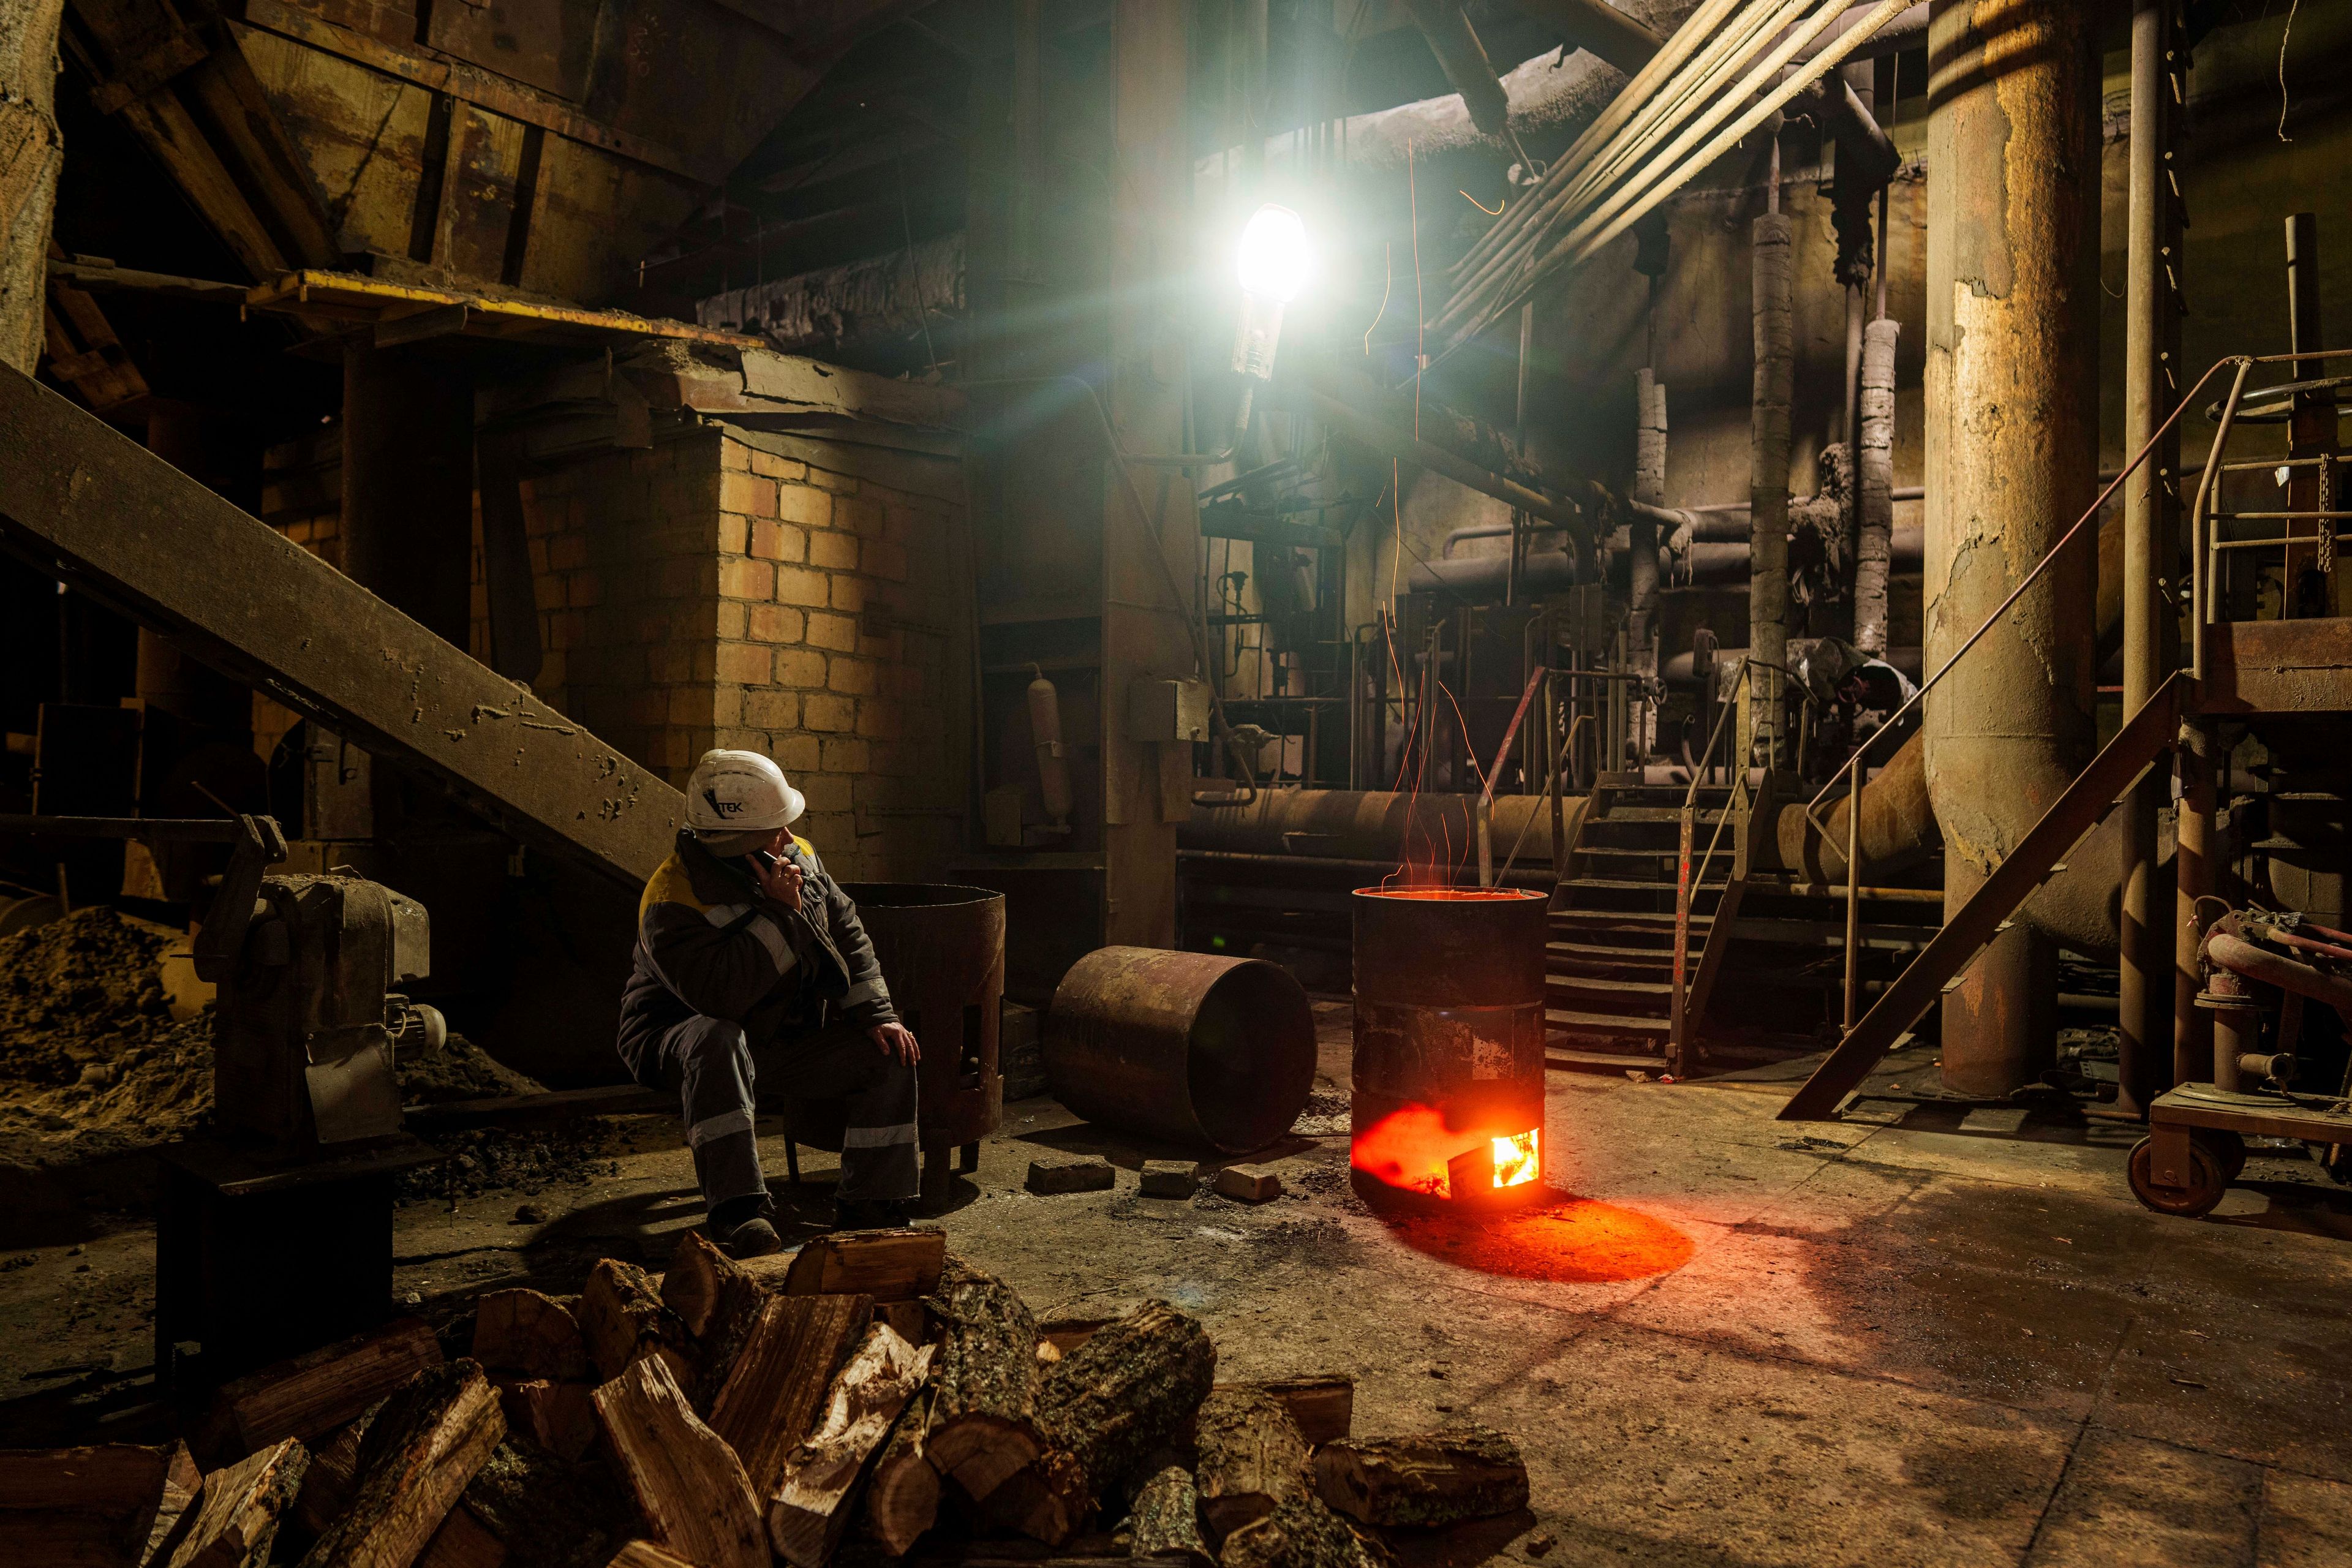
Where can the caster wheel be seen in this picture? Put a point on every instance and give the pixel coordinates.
(2227, 1149)
(2193, 1202)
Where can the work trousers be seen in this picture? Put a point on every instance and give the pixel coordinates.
(717, 1073)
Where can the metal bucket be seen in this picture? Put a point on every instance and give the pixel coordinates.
(1184, 1045)
(1449, 1059)
(943, 952)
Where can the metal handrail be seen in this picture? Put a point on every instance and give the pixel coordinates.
(2205, 555)
(1689, 831)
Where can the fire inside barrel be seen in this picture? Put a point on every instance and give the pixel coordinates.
(1448, 1086)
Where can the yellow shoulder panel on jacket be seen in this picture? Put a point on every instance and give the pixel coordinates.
(670, 885)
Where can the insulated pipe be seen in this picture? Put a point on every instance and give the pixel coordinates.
(1600, 29)
(2012, 434)
(1376, 826)
(1873, 554)
(1767, 481)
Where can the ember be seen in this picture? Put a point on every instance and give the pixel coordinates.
(1516, 1160)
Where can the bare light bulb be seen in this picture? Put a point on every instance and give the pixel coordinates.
(1273, 255)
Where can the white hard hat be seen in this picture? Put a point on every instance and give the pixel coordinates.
(739, 792)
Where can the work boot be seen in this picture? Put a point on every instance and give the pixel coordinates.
(742, 1227)
(872, 1213)
(755, 1238)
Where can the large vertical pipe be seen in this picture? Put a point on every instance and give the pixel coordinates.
(2012, 440)
(1875, 485)
(2145, 1009)
(1767, 478)
(2192, 868)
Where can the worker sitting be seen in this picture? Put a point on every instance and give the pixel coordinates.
(751, 969)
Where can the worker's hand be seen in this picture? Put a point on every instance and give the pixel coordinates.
(779, 880)
(896, 1040)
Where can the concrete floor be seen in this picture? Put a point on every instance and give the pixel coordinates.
(1923, 1338)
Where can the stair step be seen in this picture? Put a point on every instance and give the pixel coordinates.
(1604, 1023)
(1601, 919)
(1606, 952)
(1655, 814)
(1567, 1059)
(1628, 884)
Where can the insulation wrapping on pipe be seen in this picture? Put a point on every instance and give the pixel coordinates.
(1768, 582)
(1052, 757)
(1649, 488)
(1874, 547)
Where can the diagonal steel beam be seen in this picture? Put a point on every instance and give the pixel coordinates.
(81, 502)
(1953, 949)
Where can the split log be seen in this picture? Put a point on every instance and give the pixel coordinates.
(774, 1395)
(311, 1396)
(182, 1482)
(1252, 1457)
(559, 1418)
(1249, 1183)
(1067, 1334)
(110, 1502)
(531, 1334)
(1323, 1405)
(719, 1301)
(1441, 1478)
(1103, 1408)
(1165, 1521)
(646, 1555)
(912, 1320)
(902, 1497)
(622, 1318)
(1300, 1532)
(888, 1265)
(332, 1476)
(239, 1510)
(1129, 1389)
(688, 1484)
(809, 1508)
(985, 1407)
(418, 1456)
(544, 1512)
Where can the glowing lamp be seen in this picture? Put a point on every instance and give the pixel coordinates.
(1273, 254)
(1273, 266)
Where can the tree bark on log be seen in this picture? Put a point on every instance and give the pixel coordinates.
(888, 1265)
(985, 1381)
(776, 1391)
(902, 1498)
(1129, 1389)
(811, 1505)
(547, 1513)
(1441, 1477)
(1252, 1457)
(419, 1454)
(531, 1334)
(688, 1484)
(622, 1316)
(1301, 1532)
(1324, 1405)
(1165, 1521)
(32, 152)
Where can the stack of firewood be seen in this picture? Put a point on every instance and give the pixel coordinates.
(867, 1395)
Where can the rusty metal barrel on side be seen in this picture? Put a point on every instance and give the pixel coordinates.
(1449, 1010)
(1185, 1045)
(943, 952)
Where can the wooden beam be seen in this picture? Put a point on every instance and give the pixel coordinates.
(468, 84)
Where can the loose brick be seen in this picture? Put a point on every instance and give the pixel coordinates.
(1168, 1179)
(1249, 1183)
(1071, 1173)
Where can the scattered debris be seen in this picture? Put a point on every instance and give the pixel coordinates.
(1074, 1174)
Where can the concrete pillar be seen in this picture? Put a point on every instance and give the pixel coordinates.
(408, 483)
(2012, 429)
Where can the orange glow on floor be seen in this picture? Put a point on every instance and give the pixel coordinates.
(1577, 1241)
(1516, 1160)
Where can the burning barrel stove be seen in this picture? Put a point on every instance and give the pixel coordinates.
(1449, 1072)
